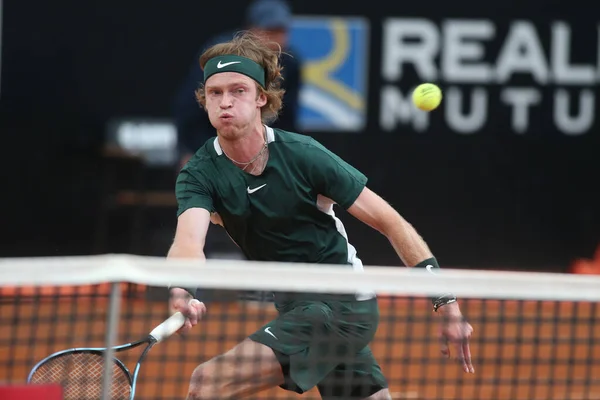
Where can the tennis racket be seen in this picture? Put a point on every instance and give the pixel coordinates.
(80, 370)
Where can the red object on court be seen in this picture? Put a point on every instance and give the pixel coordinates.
(31, 392)
(586, 266)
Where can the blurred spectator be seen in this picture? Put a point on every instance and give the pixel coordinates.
(268, 18)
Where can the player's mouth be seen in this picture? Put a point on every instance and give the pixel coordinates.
(226, 116)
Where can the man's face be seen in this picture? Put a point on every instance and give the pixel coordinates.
(233, 103)
(277, 35)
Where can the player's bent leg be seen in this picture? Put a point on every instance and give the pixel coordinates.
(359, 379)
(248, 368)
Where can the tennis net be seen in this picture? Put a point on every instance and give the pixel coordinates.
(535, 335)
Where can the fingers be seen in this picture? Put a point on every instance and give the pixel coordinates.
(199, 306)
(179, 305)
(444, 346)
(460, 355)
(458, 334)
(186, 327)
(466, 349)
(463, 356)
(192, 309)
(467, 362)
(195, 310)
(179, 300)
(182, 306)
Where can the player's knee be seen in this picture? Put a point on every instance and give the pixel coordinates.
(202, 387)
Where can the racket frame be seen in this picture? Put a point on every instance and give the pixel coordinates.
(167, 328)
(150, 341)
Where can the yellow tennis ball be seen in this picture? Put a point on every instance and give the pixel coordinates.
(427, 97)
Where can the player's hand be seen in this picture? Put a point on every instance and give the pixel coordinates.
(191, 308)
(456, 332)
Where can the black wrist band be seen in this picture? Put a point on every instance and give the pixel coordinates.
(431, 264)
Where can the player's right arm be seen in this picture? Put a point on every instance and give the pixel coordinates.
(194, 202)
(190, 235)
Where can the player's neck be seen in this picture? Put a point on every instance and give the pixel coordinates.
(246, 147)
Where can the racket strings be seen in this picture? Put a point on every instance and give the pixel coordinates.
(81, 376)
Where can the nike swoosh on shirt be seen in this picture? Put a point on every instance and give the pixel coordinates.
(250, 191)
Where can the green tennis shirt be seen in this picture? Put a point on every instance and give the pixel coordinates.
(284, 214)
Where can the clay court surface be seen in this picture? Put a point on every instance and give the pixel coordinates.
(521, 350)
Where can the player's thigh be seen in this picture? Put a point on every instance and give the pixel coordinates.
(247, 368)
(314, 337)
(361, 378)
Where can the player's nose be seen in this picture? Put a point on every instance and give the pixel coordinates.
(226, 100)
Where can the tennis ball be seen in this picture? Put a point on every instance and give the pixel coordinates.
(427, 97)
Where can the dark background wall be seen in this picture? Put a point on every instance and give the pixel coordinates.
(494, 199)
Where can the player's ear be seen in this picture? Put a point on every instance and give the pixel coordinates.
(261, 99)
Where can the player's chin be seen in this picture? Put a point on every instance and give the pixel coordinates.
(228, 129)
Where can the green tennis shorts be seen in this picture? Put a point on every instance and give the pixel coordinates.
(325, 344)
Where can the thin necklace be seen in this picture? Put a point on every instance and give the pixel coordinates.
(246, 164)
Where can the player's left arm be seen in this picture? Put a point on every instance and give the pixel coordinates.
(337, 180)
(372, 210)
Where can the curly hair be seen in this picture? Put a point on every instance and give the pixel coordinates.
(247, 44)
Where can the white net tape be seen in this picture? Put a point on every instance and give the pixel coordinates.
(244, 275)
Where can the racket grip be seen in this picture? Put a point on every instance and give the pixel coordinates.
(168, 327)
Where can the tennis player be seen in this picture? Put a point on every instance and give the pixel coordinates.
(274, 192)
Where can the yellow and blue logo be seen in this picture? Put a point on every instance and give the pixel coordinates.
(334, 53)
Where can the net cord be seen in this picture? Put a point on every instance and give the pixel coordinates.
(319, 278)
